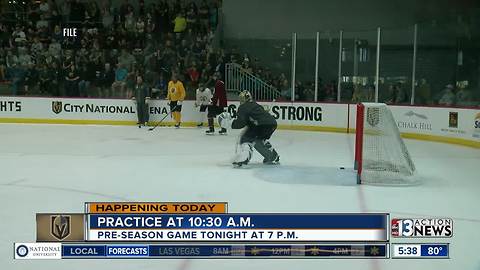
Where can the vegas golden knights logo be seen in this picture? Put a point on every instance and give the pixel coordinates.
(60, 226)
(57, 107)
(373, 116)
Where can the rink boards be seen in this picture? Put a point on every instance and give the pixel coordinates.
(450, 125)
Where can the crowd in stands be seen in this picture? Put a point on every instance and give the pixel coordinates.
(115, 42)
(395, 92)
(118, 40)
(400, 93)
(389, 92)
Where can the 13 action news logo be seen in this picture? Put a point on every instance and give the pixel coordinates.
(422, 227)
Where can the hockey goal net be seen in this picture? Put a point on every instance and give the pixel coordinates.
(381, 156)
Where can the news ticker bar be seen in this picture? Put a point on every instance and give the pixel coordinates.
(165, 251)
(416, 251)
(237, 227)
(238, 221)
(156, 251)
(212, 227)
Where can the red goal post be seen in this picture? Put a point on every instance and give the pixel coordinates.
(381, 156)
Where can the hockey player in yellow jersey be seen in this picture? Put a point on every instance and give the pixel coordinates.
(176, 95)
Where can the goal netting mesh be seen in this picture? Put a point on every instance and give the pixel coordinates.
(381, 156)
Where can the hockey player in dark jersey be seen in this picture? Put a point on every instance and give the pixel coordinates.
(142, 98)
(260, 126)
(219, 103)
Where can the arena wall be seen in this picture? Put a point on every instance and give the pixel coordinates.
(448, 125)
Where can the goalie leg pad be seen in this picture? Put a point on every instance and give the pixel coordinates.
(266, 149)
(243, 154)
(225, 120)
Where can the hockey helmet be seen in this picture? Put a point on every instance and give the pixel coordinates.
(245, 96)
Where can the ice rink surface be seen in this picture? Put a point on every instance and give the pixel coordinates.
(56, 168)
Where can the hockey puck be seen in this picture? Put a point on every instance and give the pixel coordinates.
(342, 168)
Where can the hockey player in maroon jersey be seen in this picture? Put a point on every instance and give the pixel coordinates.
(218, 105)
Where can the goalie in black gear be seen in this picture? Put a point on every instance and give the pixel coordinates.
(260, 126)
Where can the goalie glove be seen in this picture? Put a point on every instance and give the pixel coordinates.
(225, 120)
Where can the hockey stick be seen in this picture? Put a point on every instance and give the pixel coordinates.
(159, 122)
